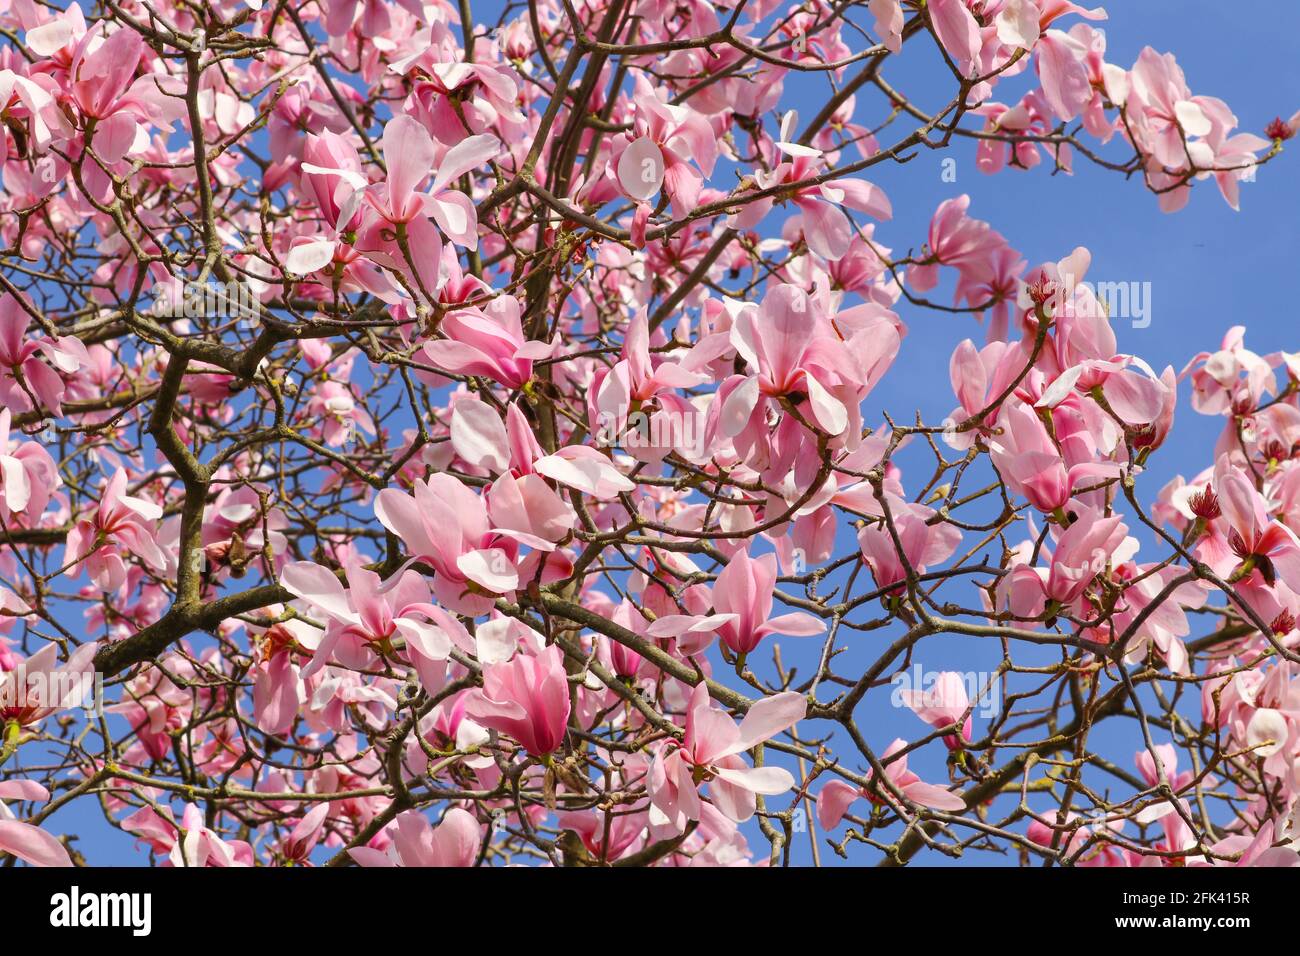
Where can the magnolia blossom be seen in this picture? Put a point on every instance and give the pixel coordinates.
(710, 752)
(943, 705)
(527, 698)
(28, 475)
(415, 842)
(744, 589)
(119, 521)
(28, 842)
(837, 796)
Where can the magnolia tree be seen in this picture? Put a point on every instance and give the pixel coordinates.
(424, 428)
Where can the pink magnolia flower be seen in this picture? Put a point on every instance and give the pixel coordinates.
(1083, 550)
(417, 843)
(295, 849)
(826, 229)
(102, 67)
(26, 841)
(192, 843)
(606, 837)
(1168, 755)
(28, 476)
(528, 510)
(489, 342)
(447, 525)
(744, 590)
(102, 83)
(526, 698)
(373, 22)
(1233, 375)
(978, 376)
(120, 521)
(944, 704)
(1084, 349)
(994, 280)
(40, 686)
(483, 441)
(333, 179)
(1263, 545)
(29, 103)
(958, 32)
(1032, 465)
(659, 155)
(1165, 624)
(1073, 839)
(485, 96)
(793, 350)
(1061, 59)
(957, 240)
(888, 15)
(279, 690)
(20, 361)
(635, 379)
(837, 796)
(710, 752)
(369, 616)
(1162, 111)
(1231, 156)
(199, 846)
(924, 544)
(840, 132)
(334, 411)
(410, 154)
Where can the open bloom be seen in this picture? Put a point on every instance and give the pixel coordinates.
(1032, 465)
(836, 797)
(826, 229)
(22, 373)
(28, 475)
(191, 843)
(744, 590)
(416, 842)
(26, 841)
(526, 697)
(483, 441)
(40, 686)
(1083, 550)
(445, 524)
(794, 353)
(710, 752)
(367, 618)
(396, 232)
(1263, 545)
(489, 342)
(944, 704)
(667, 138)
(119, 522)
(924, 544)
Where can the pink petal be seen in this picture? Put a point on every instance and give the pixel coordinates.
(32, 844)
